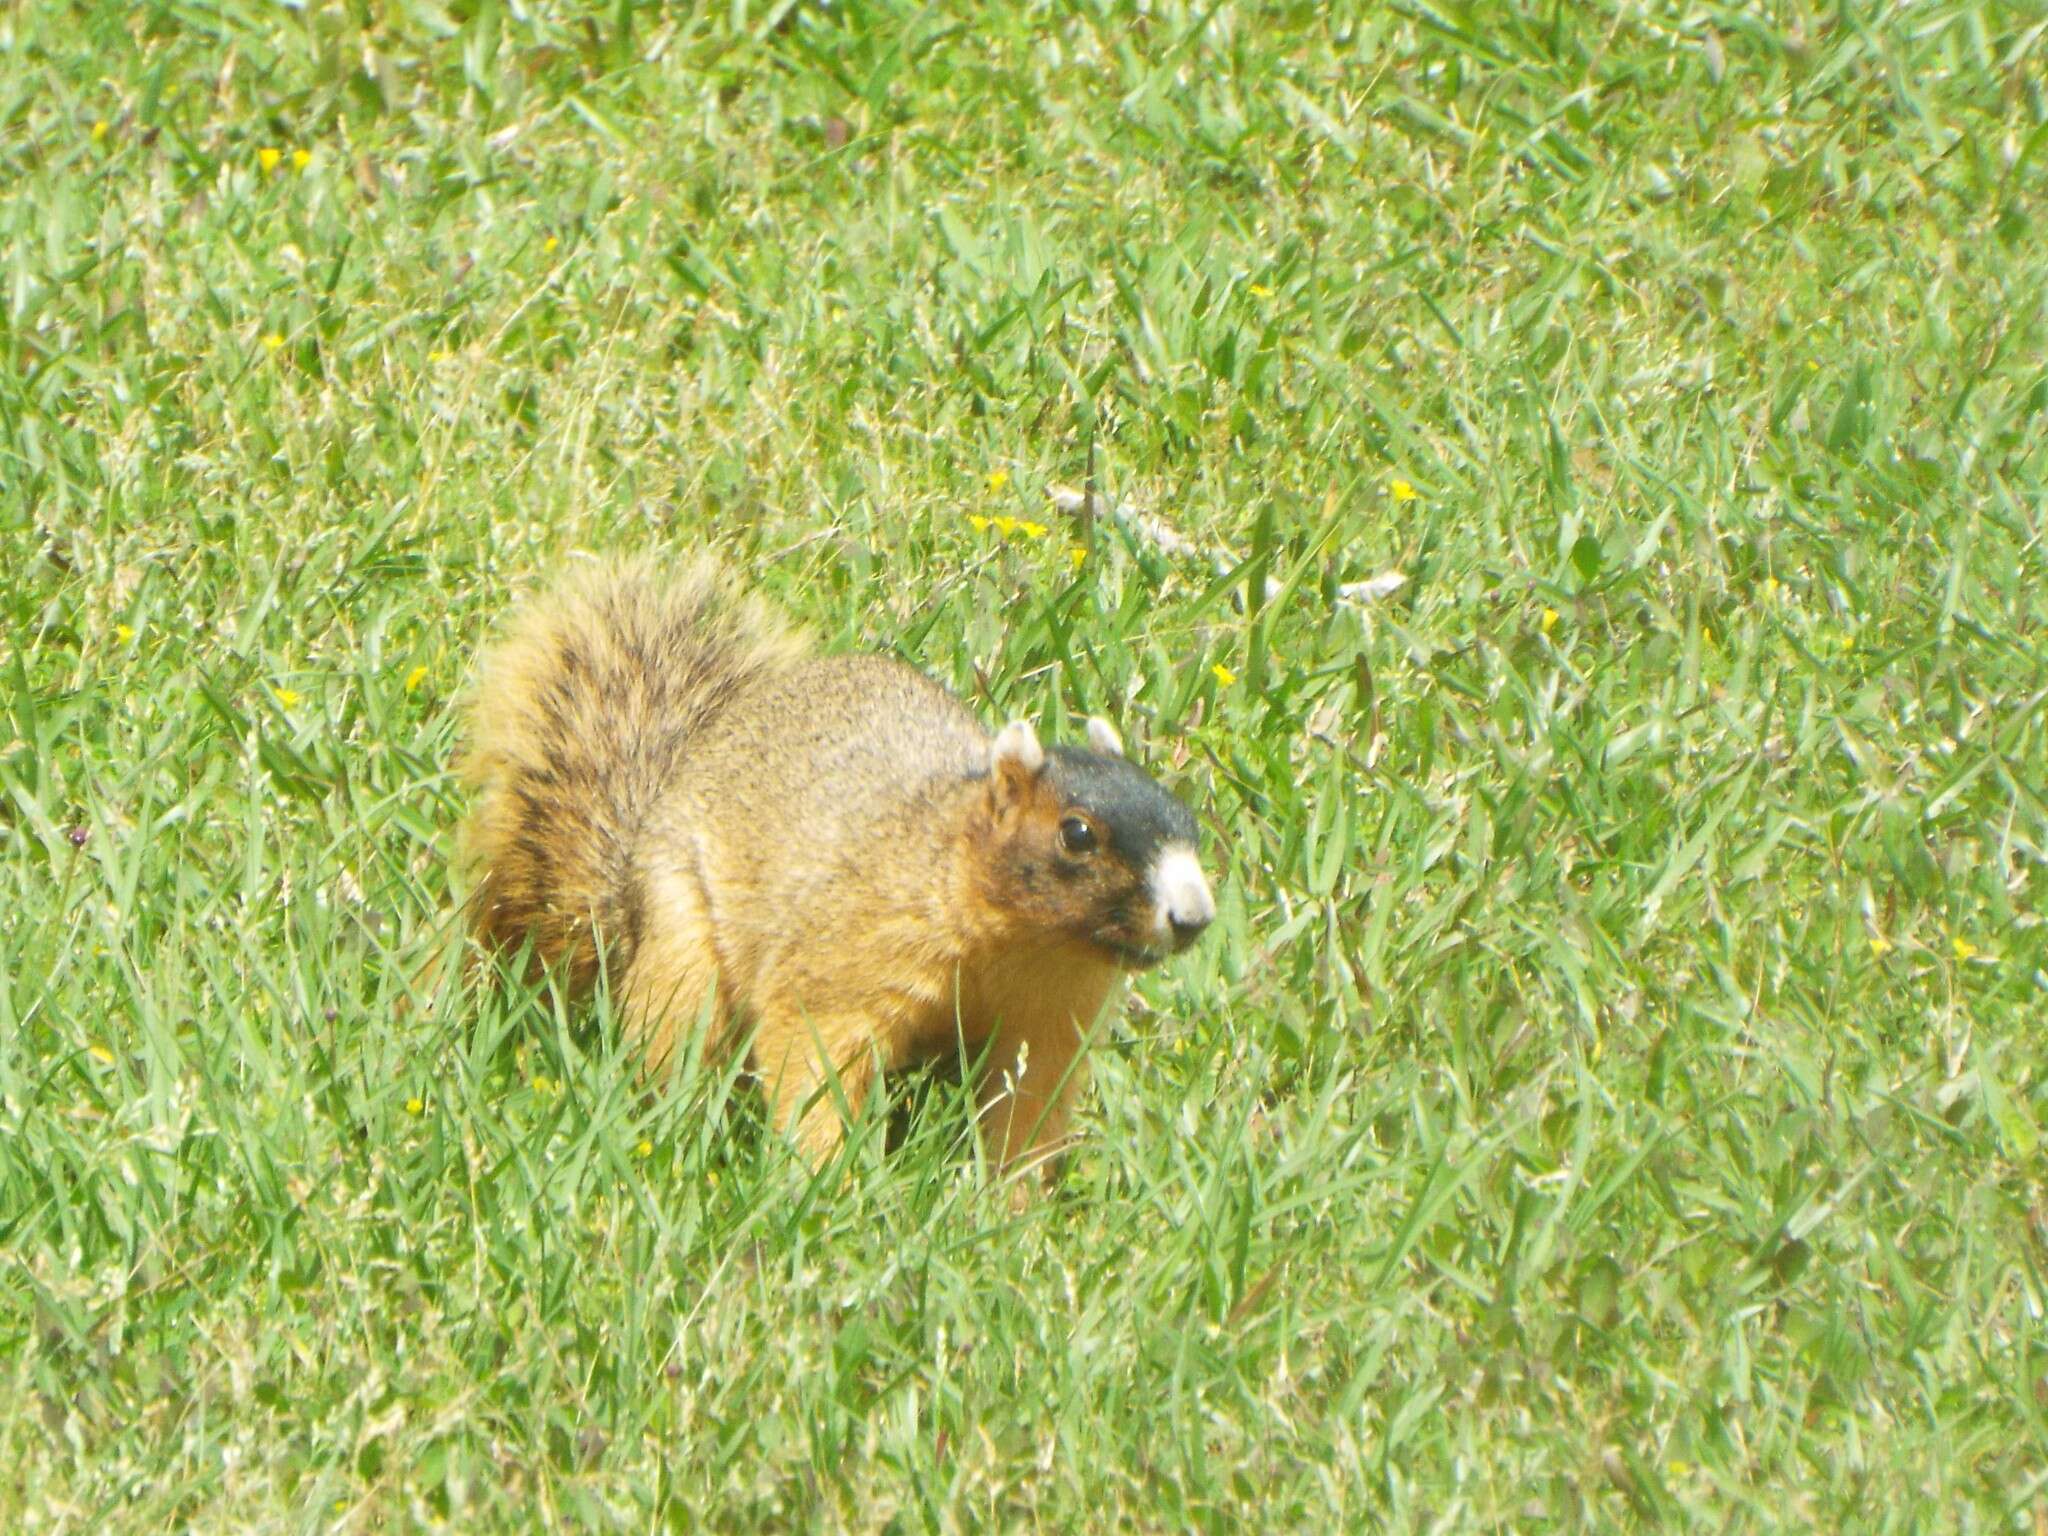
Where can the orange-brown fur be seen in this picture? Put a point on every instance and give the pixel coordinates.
(810, 854)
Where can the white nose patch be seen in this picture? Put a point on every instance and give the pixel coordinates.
(1179, 893)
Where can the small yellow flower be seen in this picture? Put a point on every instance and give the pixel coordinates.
(267, 158)
(301, 158)
(1033, 530)
(1077, 556)
(1549, 620)
(1770, 588)
(1223, 674)
(542, 1083)
(1401, 490)
(1965, 950)
(414, 678)
(272, 342)
(100, 1054)
(1880, 945)
(286, 696)
(548, 245)
(978, 524)
(123, 634)
(1260, 291)
(998, 478)
(99, 130)
(415, 1105)
(644, 1149)
(1812, 366)
(1005, 525)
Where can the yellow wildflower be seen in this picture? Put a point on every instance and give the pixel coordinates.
(542, 1083)
(301, 158)
(1770, 588)
(998, 478)
(1401, 490)
(414, 678)
(1260, 291)
(1223, 674)
(1965, 950)
(99, 130)
(548, 245)
(1880, 945)
(100, 1054)
(1005, 526)
(286, 696)
(273, 341)
(123, 634)
(644, 1149)
(1077, 556)
(267, 158)
(415, 1105)
(1549, 620)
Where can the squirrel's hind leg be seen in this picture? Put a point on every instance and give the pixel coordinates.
(671, 988)
(817, 1074)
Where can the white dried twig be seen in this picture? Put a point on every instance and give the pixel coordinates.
(1373, 588)
(1141, 524)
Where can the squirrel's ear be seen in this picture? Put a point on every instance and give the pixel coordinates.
(1016, 750)
(1015, 757)
(1103, 738)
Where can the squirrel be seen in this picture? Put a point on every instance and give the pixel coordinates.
(824, 856)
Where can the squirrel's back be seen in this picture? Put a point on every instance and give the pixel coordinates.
(583, 710)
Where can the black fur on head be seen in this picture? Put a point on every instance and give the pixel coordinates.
(1138, 816)
(1083, 845)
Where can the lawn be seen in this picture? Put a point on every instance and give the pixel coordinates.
(1613, 1093)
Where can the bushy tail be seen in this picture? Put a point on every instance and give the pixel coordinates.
(582, 710)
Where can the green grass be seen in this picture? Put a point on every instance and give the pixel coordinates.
(1614, 1092)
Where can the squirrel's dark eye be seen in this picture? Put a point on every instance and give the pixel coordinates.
(1076, 836)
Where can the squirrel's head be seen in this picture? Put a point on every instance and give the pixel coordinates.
(1081, 844)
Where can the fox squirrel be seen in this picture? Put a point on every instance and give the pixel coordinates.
(825, 854)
